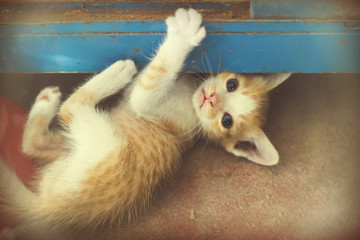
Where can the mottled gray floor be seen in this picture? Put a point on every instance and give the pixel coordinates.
(314, 193)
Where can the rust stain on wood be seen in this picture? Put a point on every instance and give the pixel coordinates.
(18, 12)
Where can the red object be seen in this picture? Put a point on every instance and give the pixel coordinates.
(12, 122)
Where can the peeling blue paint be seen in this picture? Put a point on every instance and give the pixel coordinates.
(274, 26)
(247, 46)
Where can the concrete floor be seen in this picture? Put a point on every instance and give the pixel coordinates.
(313, 193)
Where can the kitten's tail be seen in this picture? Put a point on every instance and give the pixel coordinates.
(15, 197)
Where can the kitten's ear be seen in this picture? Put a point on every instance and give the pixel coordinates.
(256, 147)
(275, 79)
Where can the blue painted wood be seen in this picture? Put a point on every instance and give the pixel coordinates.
(121, 27)
(249, 46)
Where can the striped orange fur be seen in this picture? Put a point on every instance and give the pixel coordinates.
(104, 167)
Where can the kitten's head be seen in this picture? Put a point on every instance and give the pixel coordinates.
(232, 108)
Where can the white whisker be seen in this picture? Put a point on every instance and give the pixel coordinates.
(218, 70)
(207, 73)
(193, 135)
(208, 63)
(200, 76)
(230, 66)
(191, 130)
(207, 140)
(193, 143)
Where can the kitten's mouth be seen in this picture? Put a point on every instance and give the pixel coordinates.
(202, 98)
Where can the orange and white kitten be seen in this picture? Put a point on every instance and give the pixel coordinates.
(106, 165)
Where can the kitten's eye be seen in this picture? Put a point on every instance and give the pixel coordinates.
(227, 120)
(232, 85)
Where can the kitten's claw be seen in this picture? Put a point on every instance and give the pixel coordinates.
(186, 27)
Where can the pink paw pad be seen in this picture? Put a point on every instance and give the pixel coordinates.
(49, 94)
(45, 98)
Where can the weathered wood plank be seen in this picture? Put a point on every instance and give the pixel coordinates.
(58, 11)
(306, 9)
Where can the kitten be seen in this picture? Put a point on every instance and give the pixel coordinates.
(106, 165)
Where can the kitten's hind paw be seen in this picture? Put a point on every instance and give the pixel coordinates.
(49, 94)
(47, 102)
(186, 27)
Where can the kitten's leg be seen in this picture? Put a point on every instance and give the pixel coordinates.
(102, 85)
(183, 34)
(80, 106)
(38, 140)
(90, 131)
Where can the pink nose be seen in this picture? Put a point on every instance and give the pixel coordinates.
(213, 99)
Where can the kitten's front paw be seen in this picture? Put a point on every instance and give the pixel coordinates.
(185, 26)
(125, 67)
(46, 102)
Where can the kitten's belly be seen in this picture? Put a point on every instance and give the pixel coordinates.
(130, 176)
(131, 126)
(123, 178)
